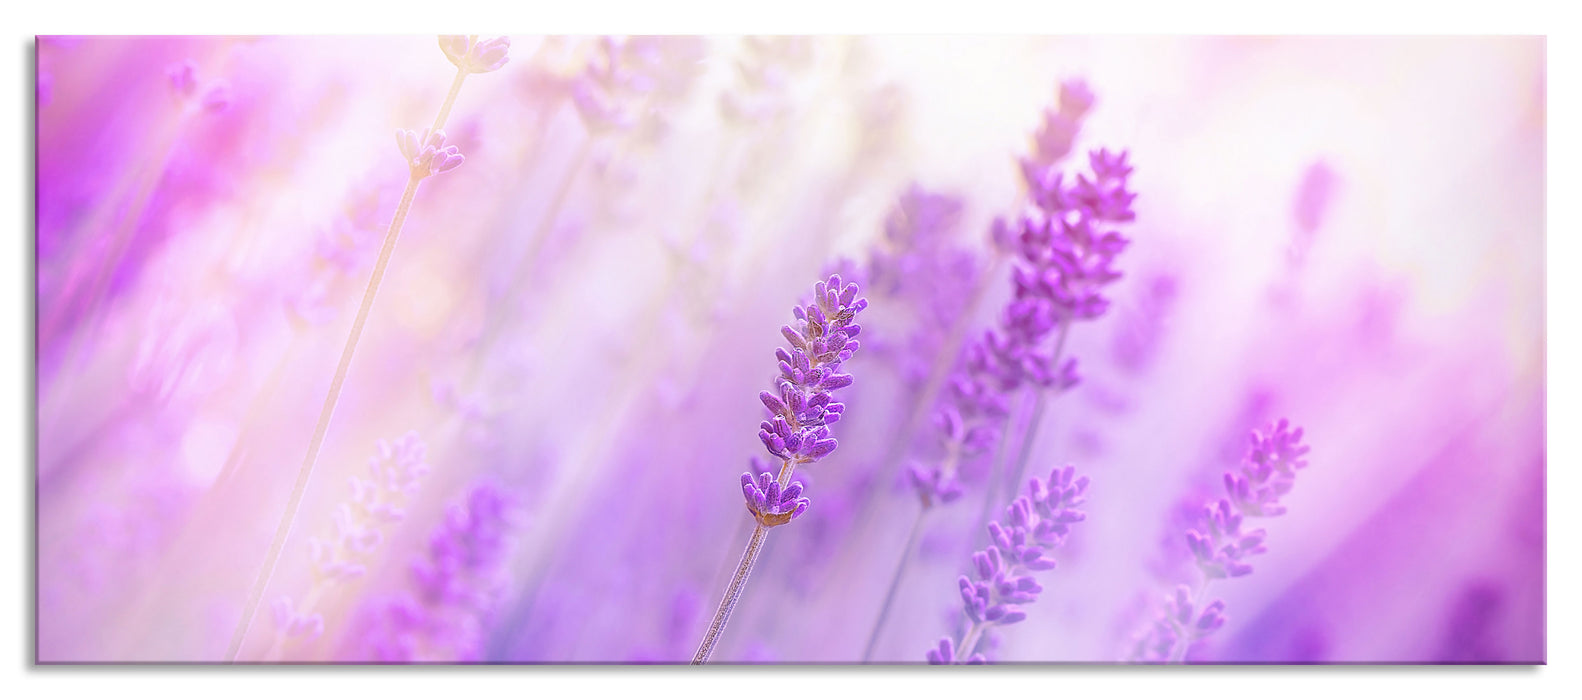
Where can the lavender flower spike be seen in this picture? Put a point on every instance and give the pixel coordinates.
(801, 408)
(1004, 582)
(1219, 544)
(473, 56)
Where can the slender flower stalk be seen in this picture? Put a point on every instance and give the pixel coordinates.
(801, 409)
(1219, 545)
(426, 155)
(1051, 143)
(1060, 265)
(1035, 523)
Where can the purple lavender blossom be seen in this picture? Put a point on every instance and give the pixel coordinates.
(1064, 256)
(802, 406)
(457, 585)
(770, 505)
(1062, 259)
(426, 152)
(473, 56)
(1004, 571)
(1220, 544)
(823, 336)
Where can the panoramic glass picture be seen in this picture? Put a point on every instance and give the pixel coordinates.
(719, 349)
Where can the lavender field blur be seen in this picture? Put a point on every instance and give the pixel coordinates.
(1019, 349)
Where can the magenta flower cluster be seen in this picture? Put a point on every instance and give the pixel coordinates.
(1004, 580)
(457, 584)
(1064, 257)
(1063, 252)
(1220, 543)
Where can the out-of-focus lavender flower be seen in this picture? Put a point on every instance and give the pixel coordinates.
(1470, 635)
(1313, 196)
(183, 79)
(347, 244)
(292, 623)
(1058, 130)
(184, 86)
(1219, 544)
(1003, 579)
(473, 56)
(1062, 259)
(1141, 331)
(610, 92)
(1269, 471)
(673, 63)
(376, 502)
(924, 274)
(457, 585)
(217, 98)
(764, 69)
(426, 152)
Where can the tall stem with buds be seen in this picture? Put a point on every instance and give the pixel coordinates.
(802, 409)
(426, 155)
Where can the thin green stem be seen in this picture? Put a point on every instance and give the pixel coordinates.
(895, 583)
(325, 413)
